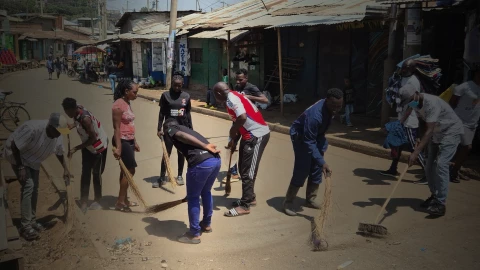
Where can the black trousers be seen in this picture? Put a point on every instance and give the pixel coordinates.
(181, 158)
(251, 152)
(92, 164)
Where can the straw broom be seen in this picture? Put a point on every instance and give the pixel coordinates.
(131, 182)
(164, 206)
(166, 159)
(70, 214)
(318, 239)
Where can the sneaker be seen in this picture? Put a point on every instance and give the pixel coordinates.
(38, 227)
(180, 180)
(156, 184)
(29, 234)
(437, 209)
(390, 173)
(422, 181)
(428, 202)
(95, 206)
(349, 125)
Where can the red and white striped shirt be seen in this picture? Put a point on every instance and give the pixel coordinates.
(255, 126)
(101, 140)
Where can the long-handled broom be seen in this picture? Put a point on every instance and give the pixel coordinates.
(376, 228)
(70, 218)
(318, 239)
(131, 182)
(164, 206)
(228, 184)
(166, 159)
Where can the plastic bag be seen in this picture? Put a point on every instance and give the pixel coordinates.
(447, 94)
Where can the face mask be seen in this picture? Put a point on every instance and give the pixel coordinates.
(414, 103)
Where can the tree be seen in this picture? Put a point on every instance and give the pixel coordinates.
(144, 9)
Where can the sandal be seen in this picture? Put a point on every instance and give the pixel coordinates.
(132, 204)
(122, 208)
(204, 228)
(188, 238)
(238, 203)
(235, 213)
(29, 234)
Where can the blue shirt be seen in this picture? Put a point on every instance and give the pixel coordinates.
(311, 127)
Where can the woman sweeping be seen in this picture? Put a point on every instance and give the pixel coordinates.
(174, 104)
(124, 137)
(203, 166)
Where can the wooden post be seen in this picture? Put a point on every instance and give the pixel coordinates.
(228, 58)
(280, 73)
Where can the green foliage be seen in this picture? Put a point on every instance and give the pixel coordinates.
(144, 9)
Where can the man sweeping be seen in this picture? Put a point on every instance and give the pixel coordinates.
(443, 133)
(309, 145)
(94, 151)
(26, 148)
(251, 92)
(254, 132)
(203, 166)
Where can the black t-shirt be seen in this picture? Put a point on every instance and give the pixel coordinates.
(349, 95)
(249, 89)
(193, 154)
(176, 105)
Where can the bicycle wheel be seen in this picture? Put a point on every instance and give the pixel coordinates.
(14, 116)
(71, 73)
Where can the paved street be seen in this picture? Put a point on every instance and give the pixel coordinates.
(266, 238)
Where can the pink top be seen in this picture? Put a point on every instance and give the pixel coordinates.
(127, 126)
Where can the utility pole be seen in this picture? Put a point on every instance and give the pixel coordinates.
(171, 43)
(389, 64)
(41, 6)
(148, 5)
(413, 30)
(104, 19)
(156, 5)
(91, 16)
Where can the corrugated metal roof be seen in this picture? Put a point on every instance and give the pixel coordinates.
(430, 3)
(219, 34)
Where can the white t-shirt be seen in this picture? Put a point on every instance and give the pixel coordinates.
(466, 110)
(34, 144)
(436, 110)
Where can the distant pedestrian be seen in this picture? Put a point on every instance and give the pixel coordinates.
(25, 149)
(124, 137)
(249, 125)
(309, 145)
(112, 76)
(94, 151)
(175, 104)
(203, 166)
(58, 67)
(50, 67)
(349, 99)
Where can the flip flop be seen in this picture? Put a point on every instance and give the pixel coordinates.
(234, 213)
(132, 204)
(204, 230)
(186, 238)
(123, 208)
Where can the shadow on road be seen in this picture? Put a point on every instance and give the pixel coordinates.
(375, 178)
(169, 229)
(393, 205)
(277, 204)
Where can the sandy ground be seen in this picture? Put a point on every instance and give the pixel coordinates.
(265, 239)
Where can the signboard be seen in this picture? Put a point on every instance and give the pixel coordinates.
(414, 27)
(183, 55)
(158, 55)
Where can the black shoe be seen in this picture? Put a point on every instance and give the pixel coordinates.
(437, 209)
(390, 173)
(428, 202)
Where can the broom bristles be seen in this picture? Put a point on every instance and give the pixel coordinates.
(372, 229)
(318, 232)
(163, 206)
(131, 184)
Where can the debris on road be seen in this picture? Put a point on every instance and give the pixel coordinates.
(344, 265)
(164, 264)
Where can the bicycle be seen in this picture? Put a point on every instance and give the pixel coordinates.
(14, 114)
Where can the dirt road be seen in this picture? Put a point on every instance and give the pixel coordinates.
(265, 239)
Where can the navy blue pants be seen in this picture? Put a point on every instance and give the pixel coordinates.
(200, 179)
(304, 166)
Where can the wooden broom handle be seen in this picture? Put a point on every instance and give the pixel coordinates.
(391, 194)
